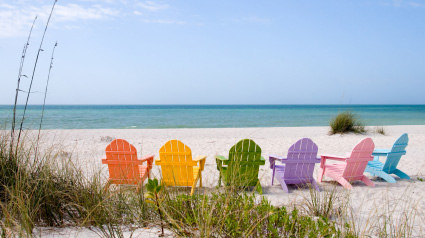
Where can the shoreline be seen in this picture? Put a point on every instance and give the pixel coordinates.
(201, 128)
(212, 116)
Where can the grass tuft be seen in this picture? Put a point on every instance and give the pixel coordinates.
(346, 122)
(324, 203)
(380, 130)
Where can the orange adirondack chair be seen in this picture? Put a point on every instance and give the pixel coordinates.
(354, 165)
(124, 166)
(178, 167)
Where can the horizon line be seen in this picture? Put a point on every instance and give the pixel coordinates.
(306, 104)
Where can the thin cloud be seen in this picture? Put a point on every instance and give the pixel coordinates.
(72, 27)
(397, 3)
(74, 12)
(6, 6)
(152, 6)
(100, 1)
(402, 3)
(163, 21)
(416, 4)
(16, 17)
(16, 20)
(137, 13)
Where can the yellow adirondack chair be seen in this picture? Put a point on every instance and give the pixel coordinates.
(178, 167)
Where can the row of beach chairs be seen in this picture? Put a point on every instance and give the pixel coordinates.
(242, 165)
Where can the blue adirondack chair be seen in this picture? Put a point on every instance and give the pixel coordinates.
(299, 164)
(375, 167)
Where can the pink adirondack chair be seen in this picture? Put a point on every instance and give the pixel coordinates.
(353, 167)
(299, 164)
(124, 166)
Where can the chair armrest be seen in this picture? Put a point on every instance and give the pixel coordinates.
(277, 157)
(219, 159)
(158, 160)
(262, 160)
(330, 157)
(201, 159)
(121, 162)
(333, 157)
(273, 158)
(380, 152)
(148, 159)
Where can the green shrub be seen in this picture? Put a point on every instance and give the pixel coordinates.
(223, 214)
(346, 122)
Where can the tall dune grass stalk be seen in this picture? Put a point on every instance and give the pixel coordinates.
(33, 72)
(21, 66)
(44, 101)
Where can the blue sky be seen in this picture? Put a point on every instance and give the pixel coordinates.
(218, 52)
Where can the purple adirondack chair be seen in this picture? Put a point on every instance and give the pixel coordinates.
(299, 164)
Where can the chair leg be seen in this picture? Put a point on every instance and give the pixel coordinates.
(200, 180)
(139, 185)
(282, 183)
(371, 172)
(401, 174)
(344, 183)
(367, 181)
(386, 176)
(314, 184)
(194, 185)
(219, 179)
(284, 187)
(321, 172)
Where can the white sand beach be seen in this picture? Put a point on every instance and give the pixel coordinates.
(87, 147)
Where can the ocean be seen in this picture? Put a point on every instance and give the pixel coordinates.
(207, 116)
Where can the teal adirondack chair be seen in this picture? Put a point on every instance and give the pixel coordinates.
(384, 170)
(241, 168)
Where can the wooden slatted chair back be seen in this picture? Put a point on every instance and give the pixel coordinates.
(398, 149)
(244, 163)
(176, 164)
(301, 159)
(357, 162)
(121, 157)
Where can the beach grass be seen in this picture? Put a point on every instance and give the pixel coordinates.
(346, 122)
(55, 192)
(380, 130)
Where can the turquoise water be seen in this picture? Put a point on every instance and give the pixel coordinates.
(209, 116)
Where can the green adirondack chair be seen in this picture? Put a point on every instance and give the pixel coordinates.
(241, 168)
